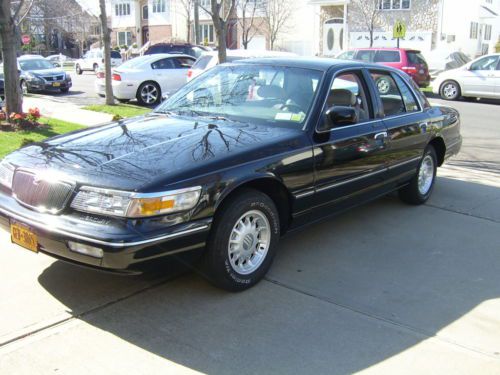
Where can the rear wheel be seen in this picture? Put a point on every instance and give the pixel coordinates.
(243, 241)
(449, 90)
(149, 94)
(420, 187)
(78, 70)
(96, 68)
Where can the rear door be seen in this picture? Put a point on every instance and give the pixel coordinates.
(479, 78)
(180, 73)
(164, 73)
(406, 120)
(349, 159)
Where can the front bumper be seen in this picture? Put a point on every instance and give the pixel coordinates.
(49, 86)
(126, 248)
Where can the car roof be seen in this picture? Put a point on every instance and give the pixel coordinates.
(385, 49)
(30, 57)
(317, 63)
(244, 53)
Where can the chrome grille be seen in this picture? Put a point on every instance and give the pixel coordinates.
(40, 194)
(53, 78)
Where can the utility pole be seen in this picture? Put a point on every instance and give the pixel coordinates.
(197, 22)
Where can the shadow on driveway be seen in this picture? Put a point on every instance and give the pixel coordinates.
(341, 296)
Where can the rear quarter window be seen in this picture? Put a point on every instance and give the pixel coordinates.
(387, 57)
(415, 57)
(202, 62)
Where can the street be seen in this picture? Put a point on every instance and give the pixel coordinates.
(384, 288)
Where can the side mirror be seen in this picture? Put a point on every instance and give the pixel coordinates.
(338, 116)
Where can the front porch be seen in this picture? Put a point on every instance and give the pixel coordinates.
(333, 27)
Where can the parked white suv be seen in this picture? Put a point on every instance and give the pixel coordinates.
(94, 58)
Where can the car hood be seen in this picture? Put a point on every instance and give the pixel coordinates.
(141, 153)
(46, 72)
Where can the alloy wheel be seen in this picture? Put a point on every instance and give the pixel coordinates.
(249, 242)
(149, 94)
(450, 91)
(426, 175)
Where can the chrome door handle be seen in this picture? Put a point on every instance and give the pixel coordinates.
(381, 134)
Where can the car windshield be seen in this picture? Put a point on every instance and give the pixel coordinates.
(251, 93)
(35, 64)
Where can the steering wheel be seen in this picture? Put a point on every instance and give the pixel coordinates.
(291, 107)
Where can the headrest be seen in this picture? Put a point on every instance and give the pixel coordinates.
(341, 97)
(271, 92)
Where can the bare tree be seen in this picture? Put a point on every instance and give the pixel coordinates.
(188, 6)
(277, 14)
(221, 11)
(10, 17)
(251, 20)
(370, 13)
(106, 36)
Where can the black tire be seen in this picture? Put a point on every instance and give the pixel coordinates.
(412, 193)
(450, 90)
(65, 90)
(95, 67)
(142, 100)
(78, 70)
(24, 87)
(217, 265)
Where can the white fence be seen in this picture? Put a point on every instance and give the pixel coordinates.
(418, 40)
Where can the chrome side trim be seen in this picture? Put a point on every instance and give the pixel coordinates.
(305, 194)
(405, 162)
(350, 180)
(41, 226)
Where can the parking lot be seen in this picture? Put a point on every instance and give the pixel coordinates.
(381, 288)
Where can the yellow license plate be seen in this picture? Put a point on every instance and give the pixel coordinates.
(56, 84)
(24, 237)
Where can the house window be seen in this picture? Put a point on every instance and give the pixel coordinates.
(145, 14)
(207, 33)
(159, 6)
(394, 4)
(474, 26)
(205, 4)
(487, 32)
(124, 38)
(122, 9)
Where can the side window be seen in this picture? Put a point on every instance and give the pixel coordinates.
(387, 56)
(486, 63)
(163, 64)
(183, 62)
(392, 100)
(365, 55)
(411, 104)
(348, 90)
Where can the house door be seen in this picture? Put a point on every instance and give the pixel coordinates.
(333, 36)
(145, 35)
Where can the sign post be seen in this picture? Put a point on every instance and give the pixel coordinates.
(399, 30)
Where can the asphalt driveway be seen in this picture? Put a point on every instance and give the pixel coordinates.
(385, 288)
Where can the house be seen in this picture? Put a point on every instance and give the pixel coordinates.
(471, 26)
(142, 21)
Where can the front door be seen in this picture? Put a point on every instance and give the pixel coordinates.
(333, 36)
(349, 159)
(479, 78)
(406, 121)
(145, 35)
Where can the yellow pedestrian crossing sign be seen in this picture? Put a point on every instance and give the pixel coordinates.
(399, 29)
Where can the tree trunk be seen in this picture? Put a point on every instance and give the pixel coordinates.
(107, 53)
(222, 39)
(197, 22)
(13, 99)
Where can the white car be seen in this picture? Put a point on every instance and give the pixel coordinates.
(94, 58)
(210, 59)
(147, 78)
(478, 79)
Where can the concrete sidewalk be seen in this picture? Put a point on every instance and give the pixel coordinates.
(63, 110)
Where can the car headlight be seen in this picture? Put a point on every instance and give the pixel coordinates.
(134, 205)
(6, 174)
(33, 77)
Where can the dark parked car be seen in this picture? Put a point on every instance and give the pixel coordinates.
(182, 48)
(227, 165)
(39, 74)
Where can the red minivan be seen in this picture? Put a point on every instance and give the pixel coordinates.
(409, 61)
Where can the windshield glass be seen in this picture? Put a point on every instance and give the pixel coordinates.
(258, 93)
(35, 64)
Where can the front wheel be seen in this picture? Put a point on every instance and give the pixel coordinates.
(24, 87)
(65, 90)
(243, 241)
(78, 70)
(449, 90)
(420, 187)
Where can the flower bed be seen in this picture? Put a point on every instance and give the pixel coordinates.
(20, 121)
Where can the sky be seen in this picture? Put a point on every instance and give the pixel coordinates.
(92, 5)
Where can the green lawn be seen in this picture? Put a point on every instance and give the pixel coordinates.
(10, 141)
(426, 89)
(122, 110)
